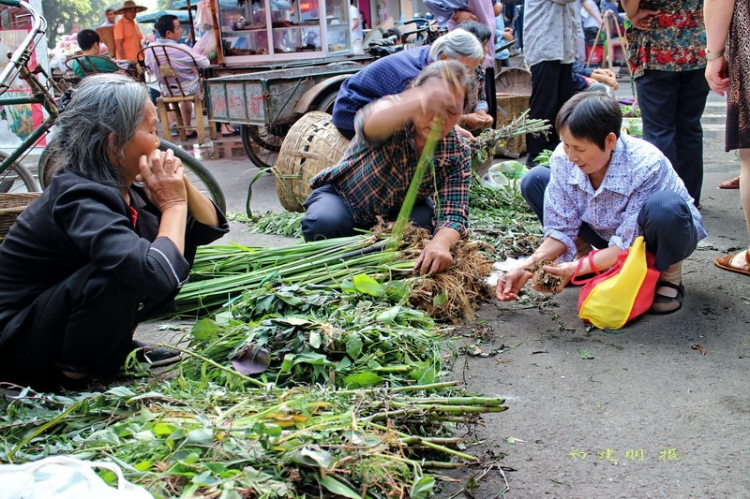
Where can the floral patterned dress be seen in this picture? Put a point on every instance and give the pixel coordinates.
(738, 67)
(676, 40)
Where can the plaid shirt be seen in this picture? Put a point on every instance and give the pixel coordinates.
(373, 176)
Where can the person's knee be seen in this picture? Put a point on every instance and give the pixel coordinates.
(534, 183)
(664, 211)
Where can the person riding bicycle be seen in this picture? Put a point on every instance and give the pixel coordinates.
(107, 245)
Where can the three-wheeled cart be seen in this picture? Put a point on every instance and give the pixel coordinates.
(276, 60)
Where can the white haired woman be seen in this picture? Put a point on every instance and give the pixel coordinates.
(393, 74)
(105, 247)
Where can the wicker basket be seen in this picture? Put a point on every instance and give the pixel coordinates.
(311, 145)
(509, 107)
(11, 205)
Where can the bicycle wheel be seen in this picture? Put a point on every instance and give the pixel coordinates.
(262, 144)
(17, 178)
(198, 174)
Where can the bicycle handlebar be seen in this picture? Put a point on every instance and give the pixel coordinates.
(22, 55)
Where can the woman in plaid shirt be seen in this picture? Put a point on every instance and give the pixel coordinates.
(374, 175)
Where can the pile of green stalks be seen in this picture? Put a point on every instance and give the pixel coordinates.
(223, 273)
(186, 438)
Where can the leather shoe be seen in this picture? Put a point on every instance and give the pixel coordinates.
(155, 356)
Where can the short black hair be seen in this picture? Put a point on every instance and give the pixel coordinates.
(165, 23)
(482, 32)
(590, 116)
(87, 38)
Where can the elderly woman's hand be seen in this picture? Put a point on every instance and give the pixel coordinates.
(162, 177)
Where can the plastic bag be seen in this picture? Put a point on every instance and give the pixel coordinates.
(207, 45)
(613, 298)
(64, 477)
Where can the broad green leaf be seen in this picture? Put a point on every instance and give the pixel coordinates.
(200, 436)
(163, 429)
(339, 488)
(354, 346)
(347, 286)
(422, 488)
(311, 358)
(440, 299)
(310, 457)
(389, 315)
(204, 329)
(344, 364)
(315, 340)
(362, 379)
(366, 284)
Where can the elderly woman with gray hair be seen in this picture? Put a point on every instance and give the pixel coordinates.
(393, 74)
(106, 246)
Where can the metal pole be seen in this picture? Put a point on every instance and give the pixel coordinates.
(190, 19)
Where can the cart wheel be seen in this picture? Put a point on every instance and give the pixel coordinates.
(327, 102)
(198, 174)
(262, 144)
(16, 179)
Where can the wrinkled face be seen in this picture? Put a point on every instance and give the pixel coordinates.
(144, 142)
(453, 112)
(129, 13)
(586, 154)
(110, 15)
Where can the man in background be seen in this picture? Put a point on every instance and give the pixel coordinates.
(127, 34)
(109, 17)
(170, 32)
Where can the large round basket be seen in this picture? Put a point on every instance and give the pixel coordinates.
(311, 145)
(11, 205)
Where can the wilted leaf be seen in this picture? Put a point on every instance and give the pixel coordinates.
(440, 299)
(251, 359)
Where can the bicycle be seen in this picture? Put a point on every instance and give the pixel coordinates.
(14, 176)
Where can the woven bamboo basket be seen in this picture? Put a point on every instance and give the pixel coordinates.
(311, 145)
(11, 205)
(509, 107)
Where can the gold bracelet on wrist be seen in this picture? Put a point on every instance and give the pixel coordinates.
(710, 56)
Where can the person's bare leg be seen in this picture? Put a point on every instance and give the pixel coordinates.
(186, 109)
(739, 261)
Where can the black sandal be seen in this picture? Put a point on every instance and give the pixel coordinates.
(665, 304)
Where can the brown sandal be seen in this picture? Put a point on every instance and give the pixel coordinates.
(725, 262)
(733, 183)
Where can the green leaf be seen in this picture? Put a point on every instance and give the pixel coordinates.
(361, 380)
(204, 329)
(200, 436)
(366, 284)
(315, 340)
(389, 315)
(339, 488)
(347, 286)
(585, 354)
(310, 457)
(354, 346)
(440, 299)
(422, 488)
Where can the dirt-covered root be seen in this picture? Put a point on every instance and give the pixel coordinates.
(544, 281)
